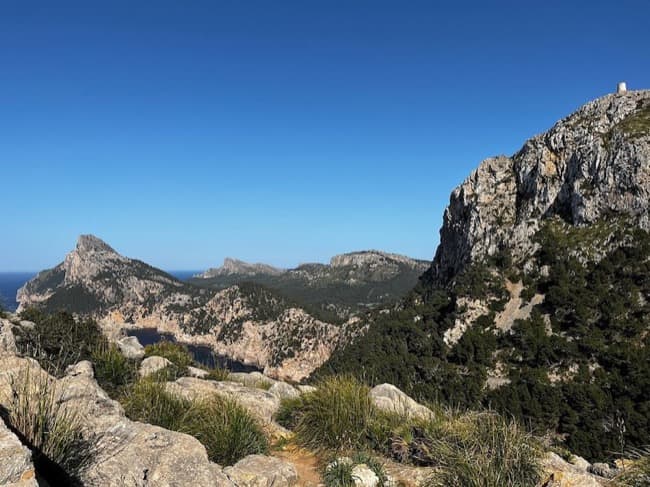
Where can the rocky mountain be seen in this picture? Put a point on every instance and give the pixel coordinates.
(537, 301)
(350, 283)
(240, 268)
(246, 322)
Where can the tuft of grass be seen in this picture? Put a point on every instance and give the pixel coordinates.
(148, 401)
(483, 450)
(54, 433)
(637, 470)
(336, 416)
(227, 430)
(176, 353)
(339, 473)
(113, 370)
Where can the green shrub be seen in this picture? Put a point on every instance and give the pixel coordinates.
(339, 472)
(113, 370)
(53, 432)
(57, 340)
(176, 353)
(226, 428)
(483, 450)
(337, 415)
(149, 402)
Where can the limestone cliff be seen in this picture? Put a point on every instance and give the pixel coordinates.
(592, 164)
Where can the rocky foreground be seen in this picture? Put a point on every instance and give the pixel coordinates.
(138, 454)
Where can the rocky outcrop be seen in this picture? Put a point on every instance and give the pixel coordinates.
(16, 467)
(563, 474)
(262, 471)
(239, 267)
(594, 163)
(152, 364)
(389, 398)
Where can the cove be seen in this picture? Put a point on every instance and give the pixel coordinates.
(203, 354)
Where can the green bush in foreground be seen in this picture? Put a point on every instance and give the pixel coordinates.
(336, 416)
(225, 428)
(113, 370)
(484, 450)
(54, 433)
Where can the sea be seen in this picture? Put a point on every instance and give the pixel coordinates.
(11, 282)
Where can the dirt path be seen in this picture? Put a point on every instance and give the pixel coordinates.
(306, 464)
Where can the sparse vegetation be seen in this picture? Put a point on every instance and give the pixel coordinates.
(636, 472)
(52, 431)
(225, 428)
(113, 370)
(336, 416)
(57, 340)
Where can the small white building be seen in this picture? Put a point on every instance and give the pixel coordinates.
(622, 87)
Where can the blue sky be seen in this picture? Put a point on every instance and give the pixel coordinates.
(279, 131)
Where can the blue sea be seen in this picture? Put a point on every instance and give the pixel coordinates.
(10, 282)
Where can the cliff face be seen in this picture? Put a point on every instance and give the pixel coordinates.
(593, 164)
(248, 323)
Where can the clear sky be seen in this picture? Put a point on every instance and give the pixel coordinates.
(279, 131)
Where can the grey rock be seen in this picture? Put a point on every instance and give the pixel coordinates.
(304, 389)
(28, 325)
(559, 473)
(389, 398)
(282, 390)
(362, 476)
(7, 339)
(603, 470)
(16, 467)
(262, 471)
(153, 364)
(196, 372)
(126, 452)
(260, 403)
(579, 462)
(131, 347)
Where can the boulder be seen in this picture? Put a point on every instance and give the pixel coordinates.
(604, 470)
(282, 390)
(7, 339)
(196, 372)
(579, 462)
(262, 471)
(260, 403)
(153, 364)
(560, 473)
(130, 347)
(124, 452)
(16, 467)
(363, 476)
(389, 398)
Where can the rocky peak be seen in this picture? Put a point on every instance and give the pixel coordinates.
(90, 243)
(239, 267)
(371, 258)
(589, 165)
